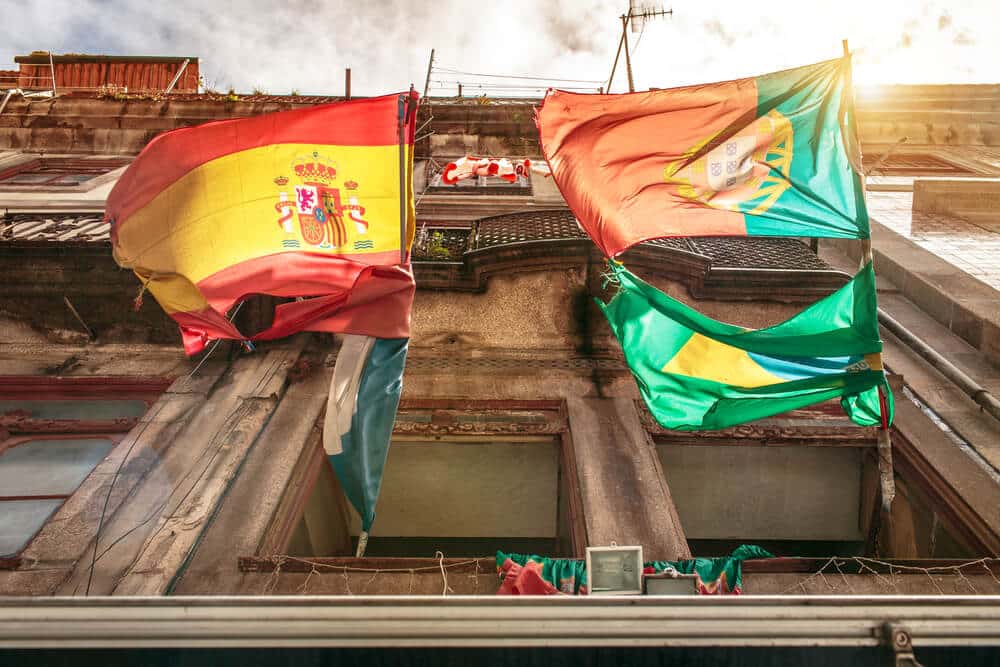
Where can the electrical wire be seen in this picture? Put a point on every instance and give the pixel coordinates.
(515, 76)
(502, 86)
(635, 49)
(128, 453)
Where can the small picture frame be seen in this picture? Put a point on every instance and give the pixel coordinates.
(614, 570)
(670, 582)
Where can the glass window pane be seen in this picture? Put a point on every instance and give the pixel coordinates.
(20, 520)
(49, 467)
(765, 493)
(95, 409)
(469, 490)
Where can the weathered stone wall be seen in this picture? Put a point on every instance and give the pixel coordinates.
(930, 114)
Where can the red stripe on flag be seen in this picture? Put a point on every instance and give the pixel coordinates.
(608, 155)
(350, 295)
(199, 327)
(378, 306)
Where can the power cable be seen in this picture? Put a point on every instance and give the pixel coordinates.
(516, 76)
(501, 86)
(135, 440)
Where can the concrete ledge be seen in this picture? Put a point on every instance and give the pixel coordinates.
(968, 307)
(504, 621)
(973, 199)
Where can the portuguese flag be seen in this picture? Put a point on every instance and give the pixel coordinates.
(774, 155)
(695, 373)
(303, 203)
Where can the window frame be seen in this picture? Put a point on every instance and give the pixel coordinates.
(28, 162)
(427, 419)
(11, 561)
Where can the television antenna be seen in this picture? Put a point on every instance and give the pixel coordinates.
(638, 15)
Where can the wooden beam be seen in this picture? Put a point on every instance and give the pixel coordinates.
(268, 483)
(153, 530)
(624, 492)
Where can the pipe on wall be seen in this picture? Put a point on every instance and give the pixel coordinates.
(976, 391)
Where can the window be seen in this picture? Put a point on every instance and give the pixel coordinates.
(36, 476)
(53, 433)
(58, 172)
(469, 497)
(792, 500)
(466, 482)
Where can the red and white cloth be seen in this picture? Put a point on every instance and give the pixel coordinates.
(470, 166)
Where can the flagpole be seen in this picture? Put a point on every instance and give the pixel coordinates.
(403, 104)
(362, 544)
(884, 452)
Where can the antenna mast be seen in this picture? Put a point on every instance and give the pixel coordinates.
(638, 15)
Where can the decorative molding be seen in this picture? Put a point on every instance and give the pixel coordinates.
(146, 388)
(439, 421)
(476, 428)
(16, 423)
(426, 364)
(798, 427)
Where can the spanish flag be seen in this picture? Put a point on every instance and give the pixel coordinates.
(774, 155)
(695, 373)
(314, 203)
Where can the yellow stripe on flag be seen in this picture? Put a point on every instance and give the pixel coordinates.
(174, 293)
(230, 209)
(708, 359)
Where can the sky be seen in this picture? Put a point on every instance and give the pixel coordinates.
(304, 45)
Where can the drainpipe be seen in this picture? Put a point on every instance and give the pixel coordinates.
(980, 395)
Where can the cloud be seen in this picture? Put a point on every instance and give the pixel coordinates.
(573, 30)
(305, 44)
(715, 28)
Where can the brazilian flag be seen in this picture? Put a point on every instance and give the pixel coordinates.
(696, 373)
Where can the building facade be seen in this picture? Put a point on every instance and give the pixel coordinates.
(127, 469)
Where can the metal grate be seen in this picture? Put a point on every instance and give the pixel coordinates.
(724, 252)
(442, 244)
(672, 243)
(736, 252)
(449, 244)
(86, 228)
(526, 226)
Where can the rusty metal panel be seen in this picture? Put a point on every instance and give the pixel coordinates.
(91, 72)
